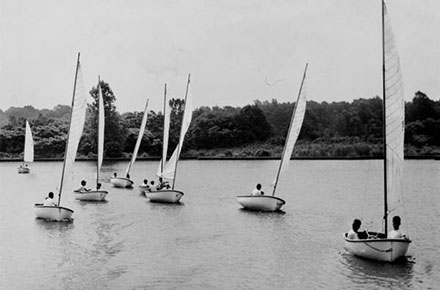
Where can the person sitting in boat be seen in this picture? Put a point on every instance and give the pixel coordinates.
(83, 188)
(153, 187)
(127, 176)
(396, 233)
(353, 232)
(162, 184)
(49, 201)
(257, 190)
(145, 184)
(115, 175)
(98, 186)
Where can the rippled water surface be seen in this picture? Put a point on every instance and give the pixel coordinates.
(207, 241)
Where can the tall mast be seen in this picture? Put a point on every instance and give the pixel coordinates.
(288, 134)
(385, 215)
(178, 144)
(97, 148)
(162, 163)
(68, 132)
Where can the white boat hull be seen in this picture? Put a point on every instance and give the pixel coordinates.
(93, 195)
(165, 196)
(387, 250)
(121, 182)
(52, 213)
(260, 202)
(23, 170)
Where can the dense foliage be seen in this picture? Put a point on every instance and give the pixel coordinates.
(336, 129)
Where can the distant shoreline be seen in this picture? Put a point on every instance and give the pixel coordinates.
(411, 157)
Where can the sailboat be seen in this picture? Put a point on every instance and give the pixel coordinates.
(28, 155)
(96, 195)
(168, 170)
(272, 203)
(126, 182)
(378, 246)
(76, 125)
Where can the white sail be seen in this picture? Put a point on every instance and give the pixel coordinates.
(28, 145)
(76, 126)
(394, 115)
(294, 129)
(101, 124)
(139, 139)
(166, 130)
(170, 168)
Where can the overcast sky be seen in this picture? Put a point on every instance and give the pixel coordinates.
(236, 51)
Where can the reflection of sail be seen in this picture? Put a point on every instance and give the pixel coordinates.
(294, 128)
(395, 115)
(170, 168)
(28, 145)
(101, 124)
(139, 139)
(76, 125)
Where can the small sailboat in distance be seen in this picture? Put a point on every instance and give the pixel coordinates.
(379, 246)
(96, 195)
(272, 203)
(28, 155)
(76, 125)
(168, 170)
(126, 182)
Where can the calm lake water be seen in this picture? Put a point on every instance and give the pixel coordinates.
(208, 242)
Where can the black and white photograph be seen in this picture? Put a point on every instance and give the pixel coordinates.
(200, 144)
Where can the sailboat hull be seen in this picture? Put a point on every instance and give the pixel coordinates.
(165, 196)
(387, 250)
(52, 213)
(24, 170)
(260, 202)
(93, 195)
(121, 182)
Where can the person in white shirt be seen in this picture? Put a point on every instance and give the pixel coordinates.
(83, 188)
(353, 232)
(257, 190)
(49, 201)
(396, 233)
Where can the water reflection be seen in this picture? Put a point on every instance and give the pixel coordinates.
(382, 274)
(60, 227)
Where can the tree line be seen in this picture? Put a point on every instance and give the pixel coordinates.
(337, 129)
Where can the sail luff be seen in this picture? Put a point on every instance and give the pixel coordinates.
(394, 124)
(76, 125)
(101, 124)
(139, 138)
(294, 128)
(28, 145)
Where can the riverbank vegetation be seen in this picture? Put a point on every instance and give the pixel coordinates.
(330, 130)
